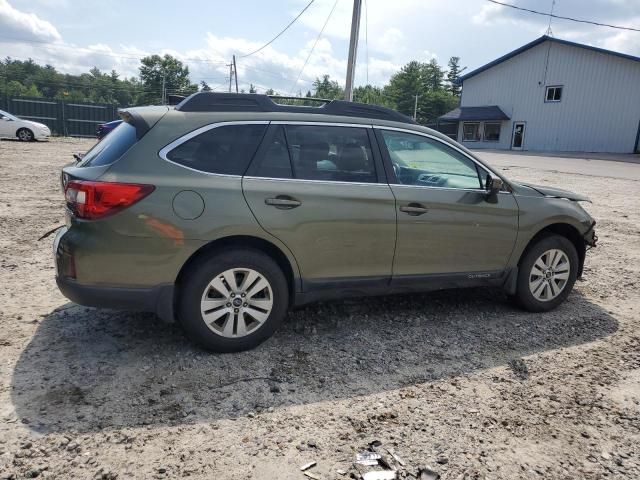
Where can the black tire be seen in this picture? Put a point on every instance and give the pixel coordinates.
(25, 135)
(206, 269)
(524, 297)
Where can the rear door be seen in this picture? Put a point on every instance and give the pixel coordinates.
(445, 223)
(319, 188)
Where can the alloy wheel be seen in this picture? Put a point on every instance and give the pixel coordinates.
(25, 135)
(237, 302)
(549, 275)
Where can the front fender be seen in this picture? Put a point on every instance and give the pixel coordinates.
(539, 213)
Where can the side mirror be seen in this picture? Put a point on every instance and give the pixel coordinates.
(493, 186)
(78, 157)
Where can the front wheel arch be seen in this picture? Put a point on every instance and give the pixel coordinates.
(29, 131)
(566, 230)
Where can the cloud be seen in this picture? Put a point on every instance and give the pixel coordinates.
(26, 26)
(615, 12)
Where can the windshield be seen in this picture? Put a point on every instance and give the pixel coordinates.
(111, 147)
(8, 115)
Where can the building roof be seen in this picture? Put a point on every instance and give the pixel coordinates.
(536, 42)
(489, 112)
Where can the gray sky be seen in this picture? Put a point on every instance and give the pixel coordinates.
(76, 35)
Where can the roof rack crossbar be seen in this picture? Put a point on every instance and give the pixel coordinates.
(252, 102)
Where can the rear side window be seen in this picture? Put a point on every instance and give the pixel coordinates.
(224, 150)
(111, 147)
(341, 154)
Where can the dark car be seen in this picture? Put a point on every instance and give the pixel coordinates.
(105, 128)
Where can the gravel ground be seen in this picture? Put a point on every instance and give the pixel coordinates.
(457, 380)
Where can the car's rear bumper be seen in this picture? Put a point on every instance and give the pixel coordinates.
(158, 299)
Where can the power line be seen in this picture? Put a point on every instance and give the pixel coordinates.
(278, 35)
(571, 19)
(314, 45)
(366, 36)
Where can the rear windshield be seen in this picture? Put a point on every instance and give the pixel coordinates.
(111, 147)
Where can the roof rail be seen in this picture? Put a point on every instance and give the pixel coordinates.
(252, 102)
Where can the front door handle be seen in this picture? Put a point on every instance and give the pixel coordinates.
(283, 202)
(414, 209)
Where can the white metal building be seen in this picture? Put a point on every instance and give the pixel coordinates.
(552, 95)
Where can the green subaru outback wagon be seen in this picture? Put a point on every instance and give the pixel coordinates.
(229, 209)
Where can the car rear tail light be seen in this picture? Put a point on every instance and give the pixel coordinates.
(92, 200)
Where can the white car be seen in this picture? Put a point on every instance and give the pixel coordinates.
(25, 130)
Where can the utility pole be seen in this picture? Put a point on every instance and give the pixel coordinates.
(415, 109)
(164, 95)
(235, 72)
(353, 50)
(230, 75)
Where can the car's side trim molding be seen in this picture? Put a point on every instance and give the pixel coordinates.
(343, 287)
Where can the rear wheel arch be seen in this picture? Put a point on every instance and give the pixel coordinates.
(566, 230)
(245, 242)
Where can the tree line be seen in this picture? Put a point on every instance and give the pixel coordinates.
(433, 87)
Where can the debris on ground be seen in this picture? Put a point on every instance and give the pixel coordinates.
(380, 475)
(368, 464)
(307, 466)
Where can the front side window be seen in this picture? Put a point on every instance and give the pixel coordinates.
(491, 132)
(340, 154)
(422, 161)
(471, 132)
(554, 94)
(225, 150)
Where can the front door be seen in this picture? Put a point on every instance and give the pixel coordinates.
(320, 190)
(445, 224)
(7, 126)
(518, 136)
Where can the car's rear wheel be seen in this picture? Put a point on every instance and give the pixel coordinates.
(547, 274)
(25, 135)
(233, 300)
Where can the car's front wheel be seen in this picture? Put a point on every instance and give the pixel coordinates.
(232, 300)
(25, 135)
(547, 274)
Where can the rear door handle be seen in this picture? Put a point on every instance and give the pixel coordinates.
(414, 209)
(283, 202)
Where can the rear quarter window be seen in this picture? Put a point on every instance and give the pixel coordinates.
(111, 147)
(225, 150)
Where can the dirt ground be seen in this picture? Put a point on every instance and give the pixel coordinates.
(458, 380)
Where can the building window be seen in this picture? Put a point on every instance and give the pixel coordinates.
(554, 94)
(491, 132)
(471, 132)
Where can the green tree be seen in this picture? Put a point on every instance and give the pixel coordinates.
(433, 75)
(156, 71)
(452, 76)
(373, 95)
(327, 88)
(404, 86)
(424, 81)
(252, 89)
(204, 86)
